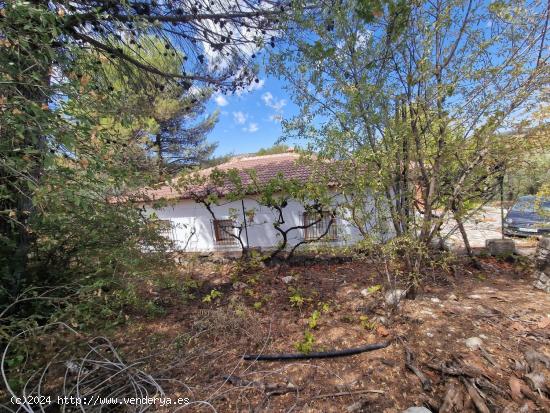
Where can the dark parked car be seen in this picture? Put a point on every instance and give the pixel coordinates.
(530, 216)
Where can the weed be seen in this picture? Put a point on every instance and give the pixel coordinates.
(253, 262)
(181, 341)
(296, 298)
(254, 279)
(367, 323)
(261, 302)
(325, 307)
(153, 309)
(306, 345)
(211, 296)
(313, 320)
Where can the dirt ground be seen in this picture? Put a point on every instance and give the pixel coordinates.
(200, 341)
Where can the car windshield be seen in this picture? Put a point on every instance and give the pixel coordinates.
(532, 205)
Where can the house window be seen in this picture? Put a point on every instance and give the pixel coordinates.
(224, 230)
(323, 226)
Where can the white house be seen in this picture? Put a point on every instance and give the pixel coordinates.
(194, 229)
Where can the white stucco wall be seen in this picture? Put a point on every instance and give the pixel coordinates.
(193, 229)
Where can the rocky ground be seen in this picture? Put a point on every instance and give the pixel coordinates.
(472, 340)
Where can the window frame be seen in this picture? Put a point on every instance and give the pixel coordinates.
(167, 229)
(313, 232)
(221, 236)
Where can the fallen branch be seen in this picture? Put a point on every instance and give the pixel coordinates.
(240, 382)
(316, 355)
(487, 356)
(347, 393)
(476, 397)
(409, 363)
(454, 371)
(486, 384)
(453, 399)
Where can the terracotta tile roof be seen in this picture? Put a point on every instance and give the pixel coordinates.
(266, 167)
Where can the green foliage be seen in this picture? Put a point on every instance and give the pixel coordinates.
(314, 319)
(281, 148)
(62, 171)
(324, 307)
(367, 323)
(297, 298)
(161, 122)
(389, 99)
(212, 296)
(306, 345)
(153, 309)
(529, 177)
(185, 289)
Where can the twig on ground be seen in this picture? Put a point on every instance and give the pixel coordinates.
(453, 399)
(487, 356)
(409, 363)
(475, 395)
(348, 393)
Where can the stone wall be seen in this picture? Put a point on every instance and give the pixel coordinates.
(542, 265)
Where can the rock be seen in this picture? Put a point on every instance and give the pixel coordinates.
(537, 381)
(542, 281)
(415, 409)
(473, 343)
(500, 247)
(365, 292)
(452, 297)
(435, 300)
(239, 285)
(542, 255)
(394, 297)
(288, 279)
(475, 297)
(380, 319)
(533, 357)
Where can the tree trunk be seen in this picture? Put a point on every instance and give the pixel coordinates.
(34, 88)
(467, 246)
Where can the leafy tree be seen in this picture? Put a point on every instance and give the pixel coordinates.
(281, 148)
(165, 119)
(415, 99)
(51, 51)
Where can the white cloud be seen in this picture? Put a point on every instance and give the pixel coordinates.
(276, 104)
(273, 102)
(221, 100)
(240, 117)
(252, 127)
(267, 97)
(243, 43)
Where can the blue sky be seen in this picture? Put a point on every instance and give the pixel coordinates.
(252, 120)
